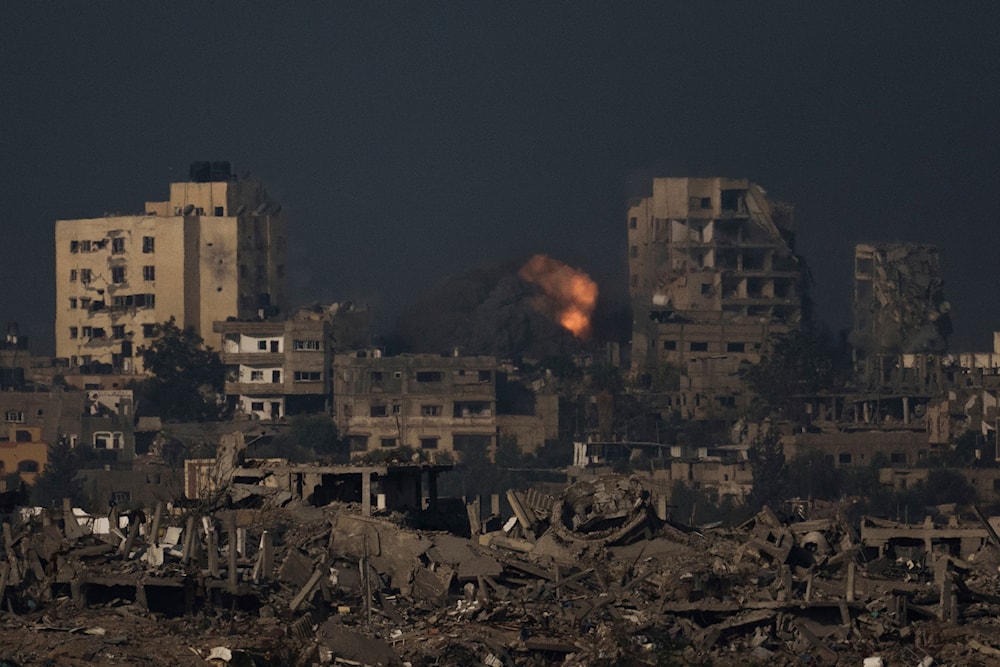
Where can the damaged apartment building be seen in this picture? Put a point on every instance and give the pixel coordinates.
(281, 366)
(214, 250)
(277, 368)
(899, 306)
(712, 276)
(427, 402)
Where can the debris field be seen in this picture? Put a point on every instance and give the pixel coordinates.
(590, 577)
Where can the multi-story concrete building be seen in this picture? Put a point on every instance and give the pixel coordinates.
(274, 369)
(214, 250)
(423, 401)
(712, 276)
(899, 304)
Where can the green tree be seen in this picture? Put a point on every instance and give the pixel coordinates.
(309, 438)
(59, 480)
(770, 473)
(187, 376)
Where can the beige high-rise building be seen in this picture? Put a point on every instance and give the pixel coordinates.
(214, 250)
(712, 277)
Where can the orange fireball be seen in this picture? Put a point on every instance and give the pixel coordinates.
(568, 295)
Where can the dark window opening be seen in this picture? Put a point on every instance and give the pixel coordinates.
(378, 411)
(429, 443)
(429, 376)
(736, 347)
(699, 347)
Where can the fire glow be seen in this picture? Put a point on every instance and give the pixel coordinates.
(568, 295)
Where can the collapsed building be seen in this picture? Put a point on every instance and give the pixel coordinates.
(592, 575)
(713, 276)
(899, 304)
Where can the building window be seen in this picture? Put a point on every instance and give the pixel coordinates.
(14, 417)
(148, 244)
(257, 406)
(429, 443)
(85, 276)
(429, 376)
(98, 332)
(109, 440)
(633, 251)
(308, 376)
(388, 443)
(74, 246)
(699, 347)
(396, 408)
(219, 211)
(430, 410)
(845, 458)
(633, 223)
(72, 275)
(149, 273)
(736, 347)
(472, 409)
(378, 411)
(118, 274)
(669, 345)
(74, 332)
(28, 465)
(148, 330)
(262, 346)
(376, 377)
(88, 332)
(84, 246)
(898, 458)
(275, 377)
(256, 376)
(118, 245)
(118, 331)
(485, 376)
(72, 302)
(310, 345)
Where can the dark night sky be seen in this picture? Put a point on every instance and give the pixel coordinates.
(412, 141)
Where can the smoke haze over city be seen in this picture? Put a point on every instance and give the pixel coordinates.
(410, 143)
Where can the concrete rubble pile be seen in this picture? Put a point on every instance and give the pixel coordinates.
(592, 577)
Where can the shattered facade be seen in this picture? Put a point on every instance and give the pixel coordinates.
(899, 304)
(214, 250)
(712, 276)
(423, 401)
(274, 369)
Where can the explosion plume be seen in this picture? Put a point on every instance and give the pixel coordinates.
(568, 295)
